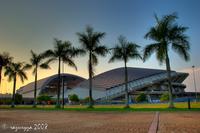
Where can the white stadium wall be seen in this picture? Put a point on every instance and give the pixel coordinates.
(84, 92)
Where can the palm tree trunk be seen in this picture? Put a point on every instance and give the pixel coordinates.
(35, 91)
(13, 96)
(171, 104)
(90, 81)
(58, 86)
(126, 86)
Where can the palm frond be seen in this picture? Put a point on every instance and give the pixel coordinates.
(8, 71)
(167, 32)
(49, 54)
(22, 75)
(5, 59)
(122, 41)
(117, 54)
(132, 51)
(16, 69)
(10, 77)
(156, 18)
(125, 50)
(90, 39)
(101, 50)
(83, 39)
(33, 54)
(97, 36)
(153, 34)
(44, 66)
(27, 67)
(51, 60)
(149, 50)
(74, 52)
(182, 50)
(161, 53)
(69, 62)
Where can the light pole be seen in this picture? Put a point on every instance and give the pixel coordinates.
(63, 87)
(195, 87)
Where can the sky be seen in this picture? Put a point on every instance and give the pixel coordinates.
(33, 24)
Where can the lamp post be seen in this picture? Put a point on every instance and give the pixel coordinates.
(63, 87)
(195, 87)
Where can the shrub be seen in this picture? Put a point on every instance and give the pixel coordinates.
(87, 99)
(18, 98)
(6, 101)
(73, 98)
(164, 97)
(43, 98)
(141, 97)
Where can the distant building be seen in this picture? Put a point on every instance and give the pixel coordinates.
(110, 85)
(4, 96)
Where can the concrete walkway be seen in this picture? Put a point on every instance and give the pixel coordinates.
(155, 123)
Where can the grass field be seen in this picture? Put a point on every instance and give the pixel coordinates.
(195, 106)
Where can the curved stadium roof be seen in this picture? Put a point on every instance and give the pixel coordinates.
(103, 81)
(115, 77)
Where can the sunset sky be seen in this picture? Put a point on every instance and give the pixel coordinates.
(33, 24)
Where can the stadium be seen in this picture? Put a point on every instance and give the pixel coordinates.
(110, 85)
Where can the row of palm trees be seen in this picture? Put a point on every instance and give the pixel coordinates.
(165, 34)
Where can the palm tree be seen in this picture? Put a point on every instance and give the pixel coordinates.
(14, 70)
(125, 51)
(63, 51)
(90, 41)
(37, 61)
(5, 59)
(167, 33)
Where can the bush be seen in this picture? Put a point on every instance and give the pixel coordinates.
(85, 100)
(73, 98)
(18, 98)
(164, 97)
(6, 101)
(141, 97)
(43, 99)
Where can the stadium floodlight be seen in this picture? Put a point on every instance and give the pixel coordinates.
(195, 87)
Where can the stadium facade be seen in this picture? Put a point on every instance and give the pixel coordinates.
(110, 84)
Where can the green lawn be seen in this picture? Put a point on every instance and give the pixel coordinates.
(134, 107)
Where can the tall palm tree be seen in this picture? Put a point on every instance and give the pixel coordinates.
(125, 51)
(5, 59)
(90, 41)
(14, 70)
(37, 61)
(167, 33)
(63, 51)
